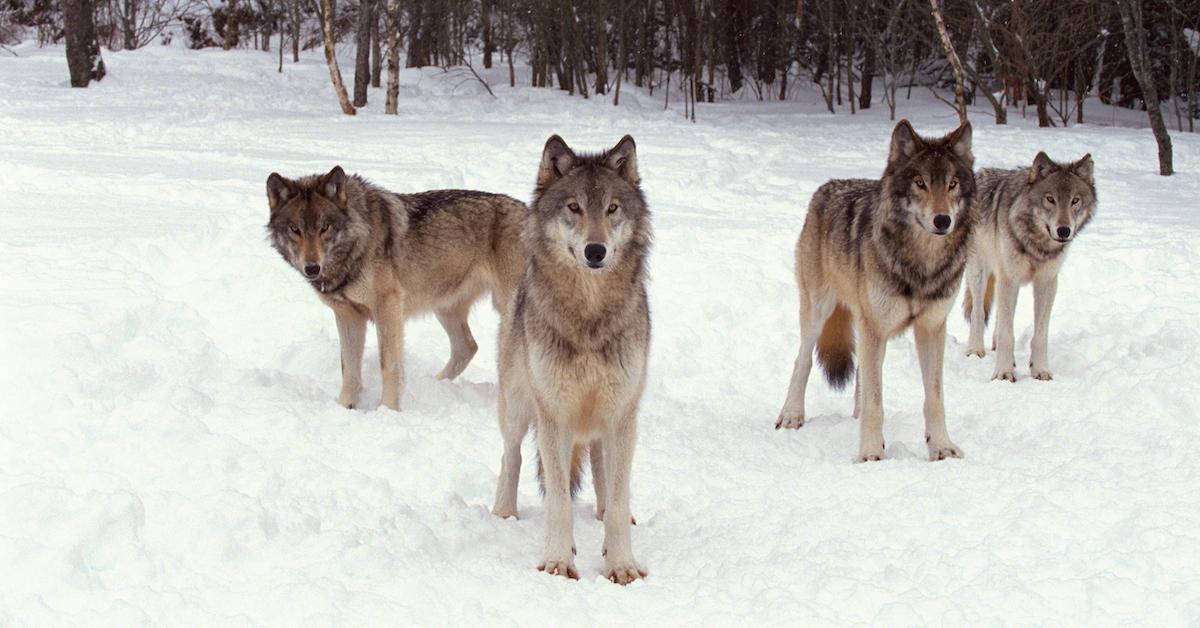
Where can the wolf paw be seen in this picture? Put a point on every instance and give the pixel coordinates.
(624, 571)
(561, 567)
(944, 451)
(504, 512)
(789, 421)
(1008, 375)
(348, 398)
(869, 455)
(1042, 375)
(976, 351)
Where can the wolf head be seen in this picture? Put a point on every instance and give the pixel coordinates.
(311, 225)
(1062, 197)
(588, 210)
(931, 180)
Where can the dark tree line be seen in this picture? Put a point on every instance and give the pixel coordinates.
(1045, 59)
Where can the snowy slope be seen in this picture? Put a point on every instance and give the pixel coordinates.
(170, 451)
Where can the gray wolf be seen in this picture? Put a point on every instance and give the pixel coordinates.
(574, 344)
(1028, 217)
(874, 258)
(371, 254)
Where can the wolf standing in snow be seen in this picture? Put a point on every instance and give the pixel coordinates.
(573, 347)
(874, 258)
(375, 255)
(1027, 219)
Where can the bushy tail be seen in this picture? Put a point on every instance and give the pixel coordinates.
(578, 455)
(989, 293)
(835, 348)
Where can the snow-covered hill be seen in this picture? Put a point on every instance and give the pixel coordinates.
(170, 451)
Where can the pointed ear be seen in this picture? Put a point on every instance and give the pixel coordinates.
(557, 160)
(279, 190)
(1085, 169)
(1042, 166)
(623, 159)
(960, 143)
(905, 142)
(333, 185)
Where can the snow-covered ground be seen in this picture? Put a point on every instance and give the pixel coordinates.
(170, 451)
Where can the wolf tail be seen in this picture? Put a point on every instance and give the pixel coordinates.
(989, 293)
(835, 348)
(578, 455)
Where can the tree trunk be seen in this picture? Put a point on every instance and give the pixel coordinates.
(868, 67)
(376, 45)
(1139, 59)
(295, 11)
(231, 26)
(955, 63)
(83, 49)
(489, 46)
(335, 75)
(362, 57)
(392, 25)
(129, 24)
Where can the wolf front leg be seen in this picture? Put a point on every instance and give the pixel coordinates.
(389, 324)
(1006, 308)
(554, 447)
(1044, 289)
(352, 334)
(931, 349)
(620, 566)
(871, 351)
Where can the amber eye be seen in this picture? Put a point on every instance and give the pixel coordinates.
(294, 229)
(920, 182)
(574, 207)
(612, 209)
(1050, 199)
(1075, 201)
(325, 228)
(953, 183)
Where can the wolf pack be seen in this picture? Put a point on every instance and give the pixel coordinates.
(568, 275)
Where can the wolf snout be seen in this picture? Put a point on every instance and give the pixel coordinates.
(942, 222)
(595, 253)
(312, 270)
(1063, 233)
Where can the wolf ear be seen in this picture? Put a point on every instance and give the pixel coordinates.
(1042, 166)
(1085, 169)
(905, 142)
(960, 143)
(279, 190)
(623, 159)
(557, 161)
(333, 185)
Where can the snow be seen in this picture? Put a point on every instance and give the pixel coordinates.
(170, 450)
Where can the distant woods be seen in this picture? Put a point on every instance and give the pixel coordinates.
(1044, 59)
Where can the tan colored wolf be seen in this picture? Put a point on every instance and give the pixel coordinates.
(573, 346)
(1027, 219)
(375, 255)
(874, 258)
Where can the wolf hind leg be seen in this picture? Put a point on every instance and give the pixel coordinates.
(462, 344)
(515, 417)
(976, 305)
(814, 312)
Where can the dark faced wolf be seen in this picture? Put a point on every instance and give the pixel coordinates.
(1027, 219)
(573, 346)
(876, 257)
(371, 254)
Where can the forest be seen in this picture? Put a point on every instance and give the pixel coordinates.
(1046, 58)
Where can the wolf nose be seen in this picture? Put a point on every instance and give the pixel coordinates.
(594, 252)
(312, 270)
(1064, 233)
(941, 222)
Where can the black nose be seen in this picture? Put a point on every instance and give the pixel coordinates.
(594, 253)
(312, 270)
(1064, 233)
(941, 222)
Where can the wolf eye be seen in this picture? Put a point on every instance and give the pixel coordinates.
(294, 229)
(325, 228)
(920, 182)
(574, 207)
(1075, 201)
(612, 209)
(953, 183)
(1050, 199)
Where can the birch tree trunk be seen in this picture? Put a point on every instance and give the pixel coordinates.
(335, 75)
(392, 23)
(955, 63)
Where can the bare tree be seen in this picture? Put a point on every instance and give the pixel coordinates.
(362, 57)
(1139, 58)
(955, 63)
(83, 49)
(335, 75)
